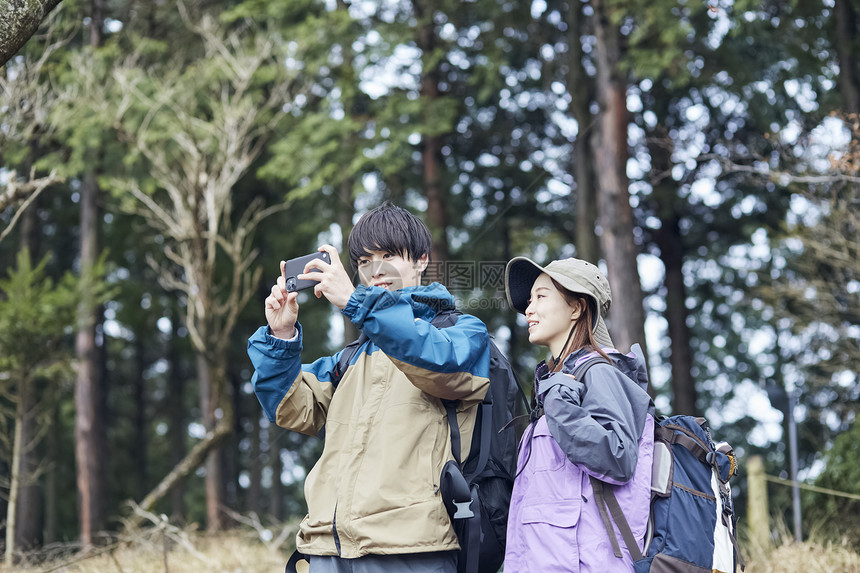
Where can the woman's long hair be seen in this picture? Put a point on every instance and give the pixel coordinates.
(582, 335)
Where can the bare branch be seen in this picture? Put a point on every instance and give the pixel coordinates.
(163, 525)
(155, 212)
(252, 520)
(26, 192)
(191, 462)
(761, 169)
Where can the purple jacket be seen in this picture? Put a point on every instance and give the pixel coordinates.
(602, 428)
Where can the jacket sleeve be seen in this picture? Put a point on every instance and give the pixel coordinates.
(293, 395)
(597, 425)
(450, 363)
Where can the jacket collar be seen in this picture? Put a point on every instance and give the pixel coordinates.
(427, 300)
(631, 364)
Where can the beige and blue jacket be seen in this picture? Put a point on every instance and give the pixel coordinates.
(375, 489)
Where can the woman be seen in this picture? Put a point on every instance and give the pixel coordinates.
(591, 432)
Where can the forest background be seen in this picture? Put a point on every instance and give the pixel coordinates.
(157, 160)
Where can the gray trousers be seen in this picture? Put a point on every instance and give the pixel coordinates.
(439, 562)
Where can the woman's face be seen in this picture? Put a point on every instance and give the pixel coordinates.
(549, 315)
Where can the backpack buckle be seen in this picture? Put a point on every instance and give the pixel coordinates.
(463, 511)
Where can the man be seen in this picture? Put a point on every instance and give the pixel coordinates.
(373, 497)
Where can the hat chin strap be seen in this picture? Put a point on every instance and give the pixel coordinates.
(555, 360)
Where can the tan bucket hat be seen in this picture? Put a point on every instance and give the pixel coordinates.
(575, 275)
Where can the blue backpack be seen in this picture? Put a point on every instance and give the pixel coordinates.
(692, 514)
(691, 527)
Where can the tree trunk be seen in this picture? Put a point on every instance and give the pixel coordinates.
(97, 21)
(431, 153)
(615, 214)
(139, 441)
(88, 420)
(587, 246)
(579, 86)
(845, 20)
(276, 495)
(344, 218)
(176, 416)
(29, 512)
(51, 486)
(672, 252)
(19, 20)
(27, 227)
(437, 219)
(15, 476)
(513, 353)
(214, 476)
(229, 460)
(89, 423)
(255, 469)
(669, 241)
(346, 209)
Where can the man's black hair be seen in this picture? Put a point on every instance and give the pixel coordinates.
(391, 229)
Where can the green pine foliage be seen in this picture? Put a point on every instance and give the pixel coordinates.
(36, 315)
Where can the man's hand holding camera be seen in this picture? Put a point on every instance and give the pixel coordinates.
(333, 282)
(282, 309)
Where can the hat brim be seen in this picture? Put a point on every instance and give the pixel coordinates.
(521, 274)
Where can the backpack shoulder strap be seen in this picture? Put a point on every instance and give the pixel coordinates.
(346, 356)
(448, 317)
(471, 534)
(444, 319)
(604, 496)
(580, 370)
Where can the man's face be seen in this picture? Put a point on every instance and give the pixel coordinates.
(390, 271)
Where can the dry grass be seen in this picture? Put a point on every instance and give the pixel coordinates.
(234, 552)
(163, 547)
(808, 557)
(818, 554)
(242, 552)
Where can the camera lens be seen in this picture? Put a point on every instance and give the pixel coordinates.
(291, 284)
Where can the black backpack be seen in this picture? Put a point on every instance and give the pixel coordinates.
(477, 490)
